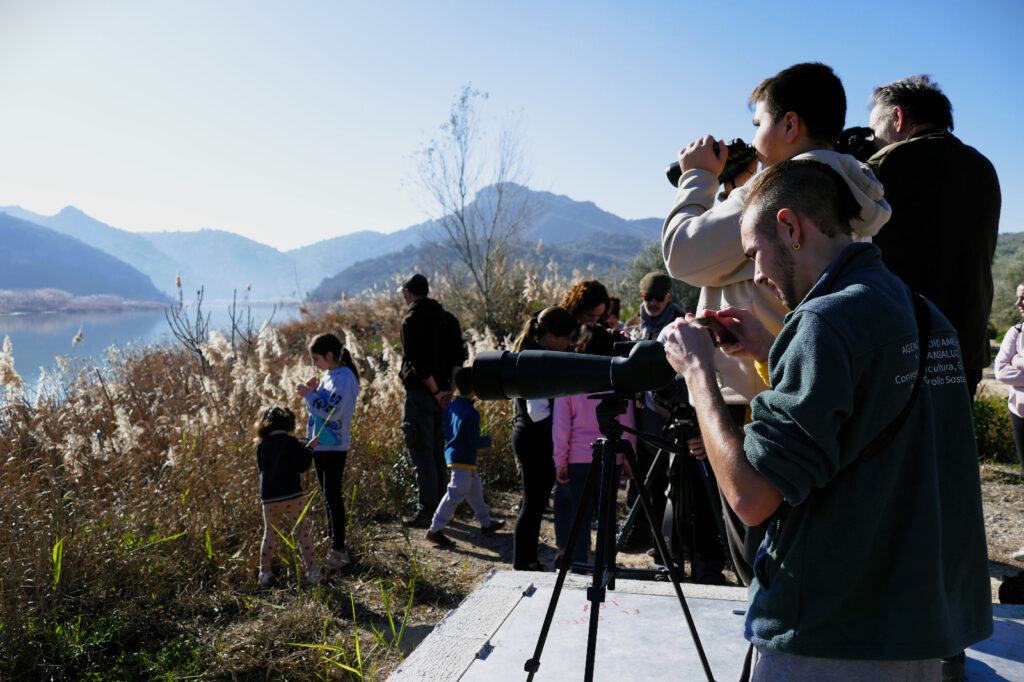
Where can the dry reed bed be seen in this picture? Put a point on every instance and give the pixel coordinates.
(131, 523)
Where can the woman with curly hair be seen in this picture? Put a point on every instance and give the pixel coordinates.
(587, 301)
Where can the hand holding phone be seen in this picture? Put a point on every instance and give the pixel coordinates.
(720, 336)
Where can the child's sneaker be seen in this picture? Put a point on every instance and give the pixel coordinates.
(266, 577)
(440, 539)
(496, 525)
(337, 559)
(313, 577)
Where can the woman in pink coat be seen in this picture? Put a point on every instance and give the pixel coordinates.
(574, 427)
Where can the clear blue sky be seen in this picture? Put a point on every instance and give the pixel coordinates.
(294, 122)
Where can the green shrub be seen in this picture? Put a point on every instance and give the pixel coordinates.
(993, 430)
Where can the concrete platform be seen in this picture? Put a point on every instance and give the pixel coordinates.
(642, 634)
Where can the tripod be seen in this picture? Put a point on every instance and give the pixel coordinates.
(604, 453)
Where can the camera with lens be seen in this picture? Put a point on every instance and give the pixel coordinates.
(740, 156)
(858, 142)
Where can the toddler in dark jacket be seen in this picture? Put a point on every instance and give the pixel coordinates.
(281, 459)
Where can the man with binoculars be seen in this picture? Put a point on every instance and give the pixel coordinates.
(799, 112)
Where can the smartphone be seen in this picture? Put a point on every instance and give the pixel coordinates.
(720, 336)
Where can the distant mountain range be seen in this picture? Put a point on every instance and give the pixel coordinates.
(574, 233)
(35, 257)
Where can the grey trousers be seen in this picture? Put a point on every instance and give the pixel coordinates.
(421, 426)
(465, 484)
(772, 666)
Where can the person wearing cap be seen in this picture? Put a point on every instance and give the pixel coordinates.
(432, 350)
(657, 308)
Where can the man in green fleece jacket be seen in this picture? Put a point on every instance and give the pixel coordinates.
(875, 565)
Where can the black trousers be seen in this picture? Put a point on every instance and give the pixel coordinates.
(694, 525)
(656, 480)
(537, 475)
(330, 469)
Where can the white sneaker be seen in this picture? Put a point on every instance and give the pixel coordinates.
(336, 560)
(1019, 554)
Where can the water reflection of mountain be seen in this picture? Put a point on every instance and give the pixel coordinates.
(37, 338)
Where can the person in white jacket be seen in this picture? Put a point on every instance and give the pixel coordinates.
(799, 112)
(1010, 371)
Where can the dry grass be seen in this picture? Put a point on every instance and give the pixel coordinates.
(131, 522)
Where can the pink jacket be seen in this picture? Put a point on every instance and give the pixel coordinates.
(574, 428)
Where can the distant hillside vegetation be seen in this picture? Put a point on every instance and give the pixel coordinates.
(36, 257)
(602, 250)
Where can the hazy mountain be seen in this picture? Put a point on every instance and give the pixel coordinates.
(130, 247)
(223, 262)
(330, 256)
(36, 257)
(600, 249)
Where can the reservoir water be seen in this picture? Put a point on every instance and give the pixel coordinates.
(37, 338)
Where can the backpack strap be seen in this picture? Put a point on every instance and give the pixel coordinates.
(880, 442)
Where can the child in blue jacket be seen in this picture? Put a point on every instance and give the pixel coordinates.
(461, 428)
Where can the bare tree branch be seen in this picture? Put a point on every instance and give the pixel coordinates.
(479, 201)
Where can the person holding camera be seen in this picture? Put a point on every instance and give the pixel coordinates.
(799, 112)
(861, 454)
(927, 172)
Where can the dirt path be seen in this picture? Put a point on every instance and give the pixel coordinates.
(474, 555)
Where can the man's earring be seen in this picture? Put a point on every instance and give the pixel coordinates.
(796, 247)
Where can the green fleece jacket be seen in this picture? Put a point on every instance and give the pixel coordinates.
(868, 558)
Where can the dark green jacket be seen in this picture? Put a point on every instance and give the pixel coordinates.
(875, 558)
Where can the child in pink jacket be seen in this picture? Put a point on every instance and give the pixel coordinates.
(574, 427)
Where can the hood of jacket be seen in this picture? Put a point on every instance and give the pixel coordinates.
(867, 190)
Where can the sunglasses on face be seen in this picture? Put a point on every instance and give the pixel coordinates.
(651, 297)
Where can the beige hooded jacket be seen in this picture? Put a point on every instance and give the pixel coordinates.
(701, 246)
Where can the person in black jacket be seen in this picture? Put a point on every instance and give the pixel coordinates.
(549, 329)
(432, 349)
(945, 203)
(281, 459)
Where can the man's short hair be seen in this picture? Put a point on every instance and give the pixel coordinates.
(811, 188)
(464, 380)
(813, 91)
(920, 99)
(417, 285)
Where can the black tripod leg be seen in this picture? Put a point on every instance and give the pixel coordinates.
(533, 664)
(659, 542)
(605, 535)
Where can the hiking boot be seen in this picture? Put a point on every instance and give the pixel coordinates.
(440, 539)
(266, 577)
(496, 525)
(420, 520)
(337, 559)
